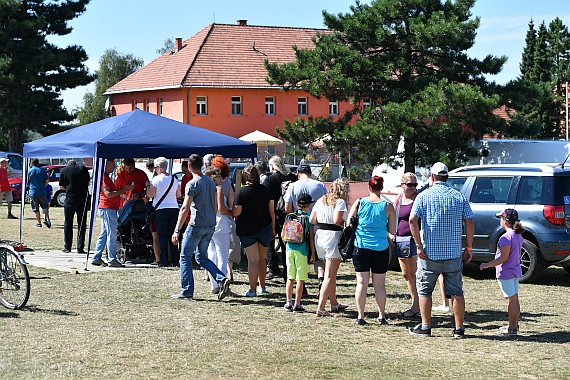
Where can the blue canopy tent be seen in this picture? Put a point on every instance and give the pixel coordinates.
(134, 134)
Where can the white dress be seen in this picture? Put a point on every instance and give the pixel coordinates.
(326, 241)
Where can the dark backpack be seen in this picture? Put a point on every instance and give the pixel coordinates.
(294, 228)
(281, 201)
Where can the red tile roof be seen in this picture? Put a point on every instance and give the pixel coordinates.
(220, 55)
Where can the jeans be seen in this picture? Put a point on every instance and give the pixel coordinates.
(69, 212)
(196, 237)
(165, 221)
(108, 236)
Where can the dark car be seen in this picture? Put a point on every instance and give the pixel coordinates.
(541, 195)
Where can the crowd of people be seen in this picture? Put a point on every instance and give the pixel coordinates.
(216, 219)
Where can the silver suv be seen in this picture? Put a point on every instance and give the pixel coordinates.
(541, 195)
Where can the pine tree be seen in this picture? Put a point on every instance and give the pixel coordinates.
(33, 72)
(408, 58)
(541, 69)
(527, 61)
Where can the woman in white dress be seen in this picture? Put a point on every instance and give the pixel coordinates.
(329, 214)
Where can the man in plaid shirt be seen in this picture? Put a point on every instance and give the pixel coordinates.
(442, 211)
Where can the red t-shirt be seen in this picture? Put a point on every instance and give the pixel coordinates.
(138, 178)
(4, 184)
(104, 202)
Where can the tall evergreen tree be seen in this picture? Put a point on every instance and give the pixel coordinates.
(33, 72)
(113, 67)
(407, 57)
(527, 61)
(541, 69)
(558, 39)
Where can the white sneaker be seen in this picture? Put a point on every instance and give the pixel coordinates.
(441, 308)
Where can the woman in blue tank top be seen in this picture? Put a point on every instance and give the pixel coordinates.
(376, 224)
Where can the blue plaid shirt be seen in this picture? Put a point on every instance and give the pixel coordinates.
(442, 211)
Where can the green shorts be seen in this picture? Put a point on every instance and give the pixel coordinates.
(297, 267)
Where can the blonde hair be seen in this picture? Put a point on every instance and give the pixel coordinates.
(407, 176)
(278, 164)
(339, 190)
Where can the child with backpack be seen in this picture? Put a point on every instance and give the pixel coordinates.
(508, 267)
(299, 236)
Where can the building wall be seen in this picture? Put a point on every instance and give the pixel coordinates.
(219, 116)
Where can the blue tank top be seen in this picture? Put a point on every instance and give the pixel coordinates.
(372, 230)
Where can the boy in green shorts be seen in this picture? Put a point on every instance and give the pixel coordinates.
(296, 258)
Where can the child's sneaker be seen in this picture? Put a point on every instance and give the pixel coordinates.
(47, 223)
(299, 309)
(288, 306)
(261, 290)
(458, 333)
(249, 293)
(505, 330)
(39, 225)
(417, 330)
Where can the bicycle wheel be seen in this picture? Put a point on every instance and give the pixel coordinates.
(14, 280)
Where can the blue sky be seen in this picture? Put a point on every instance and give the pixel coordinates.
(140, 27)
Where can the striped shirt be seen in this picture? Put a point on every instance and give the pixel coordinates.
(442, 211)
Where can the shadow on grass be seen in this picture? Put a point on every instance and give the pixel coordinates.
(37, 309)
(552, 276)
(9, 314)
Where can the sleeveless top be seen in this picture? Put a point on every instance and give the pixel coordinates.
(372, 230)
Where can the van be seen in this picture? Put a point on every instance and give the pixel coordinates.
(15, 163)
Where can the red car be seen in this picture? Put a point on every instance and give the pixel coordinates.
(58, 196)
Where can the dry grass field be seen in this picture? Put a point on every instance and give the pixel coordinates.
(122, 324)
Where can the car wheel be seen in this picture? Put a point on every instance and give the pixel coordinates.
(567, 269)
(122, 255)
(59, 198)
(531, 262)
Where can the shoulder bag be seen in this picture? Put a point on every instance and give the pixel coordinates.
(403, 245)
(151, 210)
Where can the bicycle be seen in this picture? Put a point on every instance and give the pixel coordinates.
(14, 278)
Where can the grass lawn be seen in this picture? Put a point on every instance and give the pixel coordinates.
(123, 324)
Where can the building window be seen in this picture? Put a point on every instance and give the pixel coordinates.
(236, 105)
(367, 103)
(147, 105)
(201, 105)
(269, 105)
(160, 105)
(333, 108)
(302, 106)
(135, 105)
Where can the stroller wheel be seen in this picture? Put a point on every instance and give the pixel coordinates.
(122, 255)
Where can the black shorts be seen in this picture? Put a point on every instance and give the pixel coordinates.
(366, 260)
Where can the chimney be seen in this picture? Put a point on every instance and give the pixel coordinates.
(178, 43)
(242, 22)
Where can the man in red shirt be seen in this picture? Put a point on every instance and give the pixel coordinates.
(5, 191)
(108, 205)
(131, 176)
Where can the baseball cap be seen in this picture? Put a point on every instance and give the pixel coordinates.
(4, 159)
(304, 169)
(439, 168)
(305, 199)
(510, 214)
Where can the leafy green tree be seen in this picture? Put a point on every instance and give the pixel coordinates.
(168, 45)
(527, 61)
(113, 67)
(33, 72)
(407, 58)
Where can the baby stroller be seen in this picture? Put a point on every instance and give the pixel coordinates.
(134, 240)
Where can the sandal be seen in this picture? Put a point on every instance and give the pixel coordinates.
(339, 307)
(154, 263)
(408, 313)
(323, 313)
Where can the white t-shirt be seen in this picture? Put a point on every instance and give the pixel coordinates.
(326, 241)
(222, 221)
(161, 182)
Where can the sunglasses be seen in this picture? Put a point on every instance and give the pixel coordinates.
(411, 184)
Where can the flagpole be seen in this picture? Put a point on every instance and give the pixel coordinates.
(566, 111)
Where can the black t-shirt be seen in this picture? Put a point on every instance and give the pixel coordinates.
(75, 178)
(274, 181)
(255, 209)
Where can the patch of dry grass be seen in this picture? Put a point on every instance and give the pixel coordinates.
(123, 324)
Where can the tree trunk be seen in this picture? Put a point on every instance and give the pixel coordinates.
(409, 155)
(15, 140)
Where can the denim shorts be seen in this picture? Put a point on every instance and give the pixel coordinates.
(263, 237)
(429, 271)
(369, 260)
(509, 287)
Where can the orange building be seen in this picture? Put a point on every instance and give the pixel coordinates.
(216, 80)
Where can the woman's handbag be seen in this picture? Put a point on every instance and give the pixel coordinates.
(346, 241)
(404, 247)
(151, 210)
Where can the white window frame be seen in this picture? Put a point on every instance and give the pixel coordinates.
(367, 103)
(333, 108)
(160, 106)
(302, 106)
(147, 105)
(135, 104)
(237, 106)
(201, 105)
(270, 105)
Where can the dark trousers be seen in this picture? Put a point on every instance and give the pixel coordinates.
(165, 220)
(70, 212)
(272, 256)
